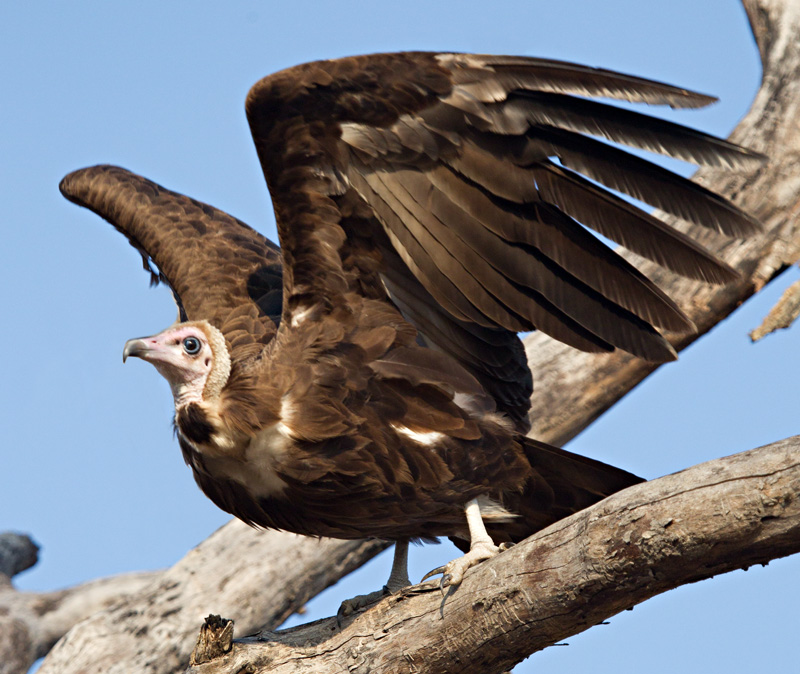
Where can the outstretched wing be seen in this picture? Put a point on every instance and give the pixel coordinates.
(218, 268)
(459, 186)
(221, 270)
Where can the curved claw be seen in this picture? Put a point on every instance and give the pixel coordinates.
(453, 572)
(434, 572)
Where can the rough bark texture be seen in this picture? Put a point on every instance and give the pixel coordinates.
(31, 623)
(716, 517)
(782, 315)
(256, 578)
(151, 622)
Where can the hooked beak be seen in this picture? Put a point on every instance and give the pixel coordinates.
(138, 348)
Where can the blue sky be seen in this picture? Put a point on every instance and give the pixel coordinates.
(89, 465)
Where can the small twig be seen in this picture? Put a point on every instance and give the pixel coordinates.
(782, 315)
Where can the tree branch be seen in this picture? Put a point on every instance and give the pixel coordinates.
(31, 623)
(719, 516)
(257, 578)
(782, 315)
(17, 553)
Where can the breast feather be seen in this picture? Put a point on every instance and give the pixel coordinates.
(256, 470)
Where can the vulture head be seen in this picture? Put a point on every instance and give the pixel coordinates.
(192, 357)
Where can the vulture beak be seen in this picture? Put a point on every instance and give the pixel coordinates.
(134, 347)
(142, 347)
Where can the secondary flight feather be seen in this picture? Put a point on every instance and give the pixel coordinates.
(365, 379)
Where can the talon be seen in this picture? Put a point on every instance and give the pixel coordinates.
(398, 579)
(481, 547)
(434, 572)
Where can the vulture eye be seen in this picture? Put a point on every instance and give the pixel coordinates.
(191, 345)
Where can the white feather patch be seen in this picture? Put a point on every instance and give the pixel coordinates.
(300, 315)
(428, 438)
(256, 471)
(492, 511)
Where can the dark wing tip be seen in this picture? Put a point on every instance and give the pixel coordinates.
(749, 157)
(588, 80)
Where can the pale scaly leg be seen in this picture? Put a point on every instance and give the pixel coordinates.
(398, 579)
(481, 546)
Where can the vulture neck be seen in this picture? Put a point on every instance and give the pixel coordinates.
(221, 366)
(197, 402)
(186, 394)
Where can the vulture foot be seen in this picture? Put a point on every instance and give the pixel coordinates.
(481, 547)
(398, 579)
(358, 603)
(453, 572)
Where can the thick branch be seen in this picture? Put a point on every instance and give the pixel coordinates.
(257, 578)
(719, 516)
(31, 623)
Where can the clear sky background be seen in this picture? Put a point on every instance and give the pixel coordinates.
(88, 464)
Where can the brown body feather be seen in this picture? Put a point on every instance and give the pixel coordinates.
(377, 384)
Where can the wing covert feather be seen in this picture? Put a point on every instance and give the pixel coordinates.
(218, 268)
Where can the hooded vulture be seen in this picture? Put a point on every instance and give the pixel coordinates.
(365, 379)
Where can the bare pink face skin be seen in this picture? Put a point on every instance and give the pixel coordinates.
(182, 354)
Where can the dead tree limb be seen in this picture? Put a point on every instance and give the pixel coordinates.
(31, 623)
(255, 577)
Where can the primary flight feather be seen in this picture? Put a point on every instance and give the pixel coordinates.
(365, 379)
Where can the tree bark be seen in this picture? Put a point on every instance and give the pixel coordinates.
(268, 575)
(255, 577)
(31, 623)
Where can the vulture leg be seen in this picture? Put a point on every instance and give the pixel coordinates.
(481, 547)
(398, 579)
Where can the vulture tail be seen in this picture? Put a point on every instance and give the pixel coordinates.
(562, 484)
